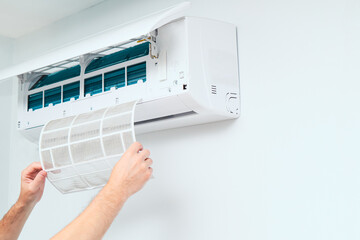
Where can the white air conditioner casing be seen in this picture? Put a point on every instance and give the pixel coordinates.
(192, 74)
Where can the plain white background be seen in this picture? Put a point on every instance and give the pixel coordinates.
(288, 168)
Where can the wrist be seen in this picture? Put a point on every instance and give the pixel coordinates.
(24, 201)
(24, 205)
(114, 194)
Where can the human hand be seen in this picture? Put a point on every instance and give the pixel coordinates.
(131, 172)
(32, 184)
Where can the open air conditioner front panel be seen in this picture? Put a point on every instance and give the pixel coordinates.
(121, 34)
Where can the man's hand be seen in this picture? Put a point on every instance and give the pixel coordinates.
(131, 172)
(32, 187)
(32, 184)
(128, 176)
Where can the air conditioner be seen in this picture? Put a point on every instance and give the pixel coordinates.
(183, 69)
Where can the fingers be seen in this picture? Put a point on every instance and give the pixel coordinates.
(32, 170)
(148, 162)
(144, 154)
(135, 147)
(40, 179)
(33, 167)
(150, 172)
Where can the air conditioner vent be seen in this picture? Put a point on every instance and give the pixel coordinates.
(213, 89)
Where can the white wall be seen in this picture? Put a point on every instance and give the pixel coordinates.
(6, 52)
(5, 106)
(287, 169)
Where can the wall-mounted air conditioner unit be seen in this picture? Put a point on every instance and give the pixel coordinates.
(184, 70)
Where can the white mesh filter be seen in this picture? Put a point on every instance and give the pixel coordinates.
(79, 152)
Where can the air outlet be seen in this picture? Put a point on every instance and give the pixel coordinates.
(213, 89)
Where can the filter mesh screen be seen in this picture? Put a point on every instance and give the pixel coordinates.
(79, 152)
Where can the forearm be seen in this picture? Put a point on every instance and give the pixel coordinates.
(14, 220)
(128, 176)
(94, 221)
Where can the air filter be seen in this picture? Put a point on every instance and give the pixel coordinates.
(79, 152)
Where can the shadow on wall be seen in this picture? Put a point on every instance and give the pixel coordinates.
(200, 131)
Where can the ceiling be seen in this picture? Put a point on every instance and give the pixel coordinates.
(21, 17)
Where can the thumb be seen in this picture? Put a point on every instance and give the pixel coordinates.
(40, 178)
